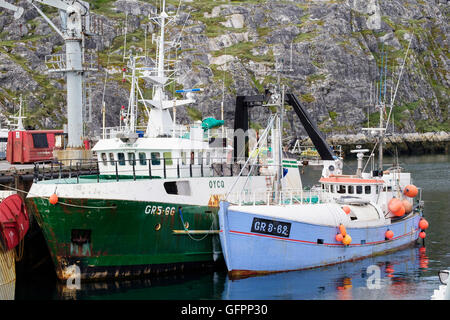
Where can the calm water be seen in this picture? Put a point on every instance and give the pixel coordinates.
(407, 274)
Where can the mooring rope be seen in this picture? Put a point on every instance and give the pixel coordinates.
(62, 203)
(180, 211)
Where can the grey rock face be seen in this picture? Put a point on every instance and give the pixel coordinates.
(330, 52)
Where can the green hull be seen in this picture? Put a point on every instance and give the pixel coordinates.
(116, 238)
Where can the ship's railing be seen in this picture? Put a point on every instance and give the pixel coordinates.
(141, 168)
(58, 63)
(310, 152)
(273, 197)
(193, 132)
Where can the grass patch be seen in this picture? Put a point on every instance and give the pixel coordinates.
(307, 97)
(307, 36)
(315, 78)
(194, 114)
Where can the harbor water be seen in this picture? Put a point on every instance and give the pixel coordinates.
(408, 274)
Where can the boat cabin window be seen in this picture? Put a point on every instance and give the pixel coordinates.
(104, 160)
(351, 189)
(192, 157)
(168, 158)
(341, 189)
(121, 158)
(359, 189)
(111, 157)
(132, 158)
(367, 189)
(208, 158)
(200, 157)
(332, 188)
(142, 158)
(156, 158)
(40, 140)
(183, 157)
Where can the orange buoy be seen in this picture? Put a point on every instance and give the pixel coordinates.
(389, 234)
(423, 224)
(339, 237)
(411, 191)
(394, 205)
(422, 234)
(342, 230)
(407, 205)
(400, 212)
(347, 239)
(53, 199)
(346, 209)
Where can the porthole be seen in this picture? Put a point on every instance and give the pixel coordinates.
(186, 225)
(157, 226)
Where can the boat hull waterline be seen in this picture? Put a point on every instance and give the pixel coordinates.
(250, 252)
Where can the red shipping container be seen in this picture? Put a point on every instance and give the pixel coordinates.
(33, 145)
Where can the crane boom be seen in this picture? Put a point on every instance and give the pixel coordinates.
(18, 11)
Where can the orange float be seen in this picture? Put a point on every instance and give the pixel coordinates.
(389, 234)
(407, 205)
(400, 212)
(423, 224)
(394, 205)
(342, 230)
(346, 209)
(422, 235)
(347, 239)
(411, 191)
(53, 199)
(339, 237)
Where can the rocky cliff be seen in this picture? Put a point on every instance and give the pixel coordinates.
(327, 52)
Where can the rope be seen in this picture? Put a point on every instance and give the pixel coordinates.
(180, 211)
(86, 207)
(62, 203)
(21, 249)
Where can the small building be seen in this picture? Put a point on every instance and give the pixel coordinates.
(28, 146)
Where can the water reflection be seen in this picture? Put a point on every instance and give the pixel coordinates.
(398, 274)
(397, 277)
(206, 285)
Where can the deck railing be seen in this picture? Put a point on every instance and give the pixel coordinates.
(271, 197)
(144, 169)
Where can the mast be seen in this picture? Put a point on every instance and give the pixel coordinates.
(381, 140)
(160, 121)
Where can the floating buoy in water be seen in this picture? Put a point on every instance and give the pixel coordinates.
(342, 230)
(346, 209)
(389, 234)
(422, 234)
(347, 239)
(339, 237)
(53, 199)
(411, 191)
(423, 224)
(407, 205)
(394, 205)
